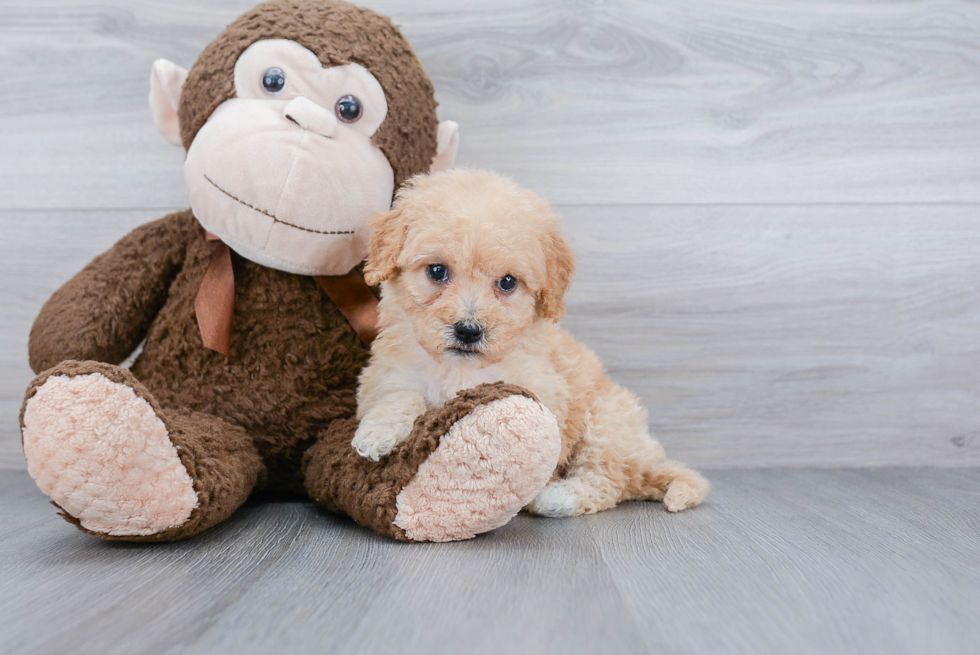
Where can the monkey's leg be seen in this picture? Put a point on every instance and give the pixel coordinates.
(467, 468)
(122, 468)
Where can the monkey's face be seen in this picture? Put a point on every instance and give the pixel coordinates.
(286, 173)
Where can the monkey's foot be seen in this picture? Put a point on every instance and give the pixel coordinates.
(467, 467)
(488, 466)
(97, 446)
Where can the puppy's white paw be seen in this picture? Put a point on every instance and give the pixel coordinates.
(375, 439)
(387, 424)
(556, 500)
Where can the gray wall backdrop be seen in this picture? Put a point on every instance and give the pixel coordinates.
(776, 204)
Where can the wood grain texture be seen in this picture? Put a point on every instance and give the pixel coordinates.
(755, 335)
(779, 561)
(619, 101)
(776, 207)
(815, 302)
(789, 335)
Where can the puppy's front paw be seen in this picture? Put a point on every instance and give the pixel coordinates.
(375, 439)
(556, 500)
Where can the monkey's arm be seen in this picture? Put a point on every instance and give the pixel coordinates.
(106, 309)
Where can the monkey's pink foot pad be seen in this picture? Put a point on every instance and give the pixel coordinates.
(489, 465)
(104, 456)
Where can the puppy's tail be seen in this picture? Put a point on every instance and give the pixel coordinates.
(676, 485)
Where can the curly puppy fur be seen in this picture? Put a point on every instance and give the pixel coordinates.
(438, 336)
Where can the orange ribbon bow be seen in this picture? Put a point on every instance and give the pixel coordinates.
(215, 301)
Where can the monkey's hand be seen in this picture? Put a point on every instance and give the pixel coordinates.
(104, 311)
(387, 424)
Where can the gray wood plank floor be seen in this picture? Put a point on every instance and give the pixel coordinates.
(778, 561)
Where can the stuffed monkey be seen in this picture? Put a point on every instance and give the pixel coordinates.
(300, 121)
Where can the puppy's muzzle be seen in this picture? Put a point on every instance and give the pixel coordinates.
(468, 333)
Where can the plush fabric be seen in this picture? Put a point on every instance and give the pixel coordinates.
(165, 79)
(104, 311)
(281, 180)
(110, 462)
(340, 480)
(488, 466)
(338, 33)
(446, 147)
(177, 443)
(284, 327)
(246, 423)
(307, 77)
(219, 458)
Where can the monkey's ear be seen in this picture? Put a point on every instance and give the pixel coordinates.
(166, 81)
(388, 232)
(447, 143)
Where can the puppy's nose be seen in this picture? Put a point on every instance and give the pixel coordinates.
(467, 332)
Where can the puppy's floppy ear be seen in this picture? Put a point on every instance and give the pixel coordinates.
(560, 266)
(388, 232)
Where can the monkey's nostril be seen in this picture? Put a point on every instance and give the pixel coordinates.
(311, 116)
(467, 332)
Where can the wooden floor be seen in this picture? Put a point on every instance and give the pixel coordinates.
(779, 561)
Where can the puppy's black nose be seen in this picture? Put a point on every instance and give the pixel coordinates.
(467, 332)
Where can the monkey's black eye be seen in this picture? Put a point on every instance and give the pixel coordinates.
(438, 273)
(349, 109)
(507, 283)
(274, 81)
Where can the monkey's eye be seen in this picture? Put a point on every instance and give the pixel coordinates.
(349, 109)
(507, 283)
(438, 273)
(274, 81)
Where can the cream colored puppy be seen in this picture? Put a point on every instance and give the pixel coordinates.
(473, 273)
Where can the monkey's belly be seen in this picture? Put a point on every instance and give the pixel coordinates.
(292, 369)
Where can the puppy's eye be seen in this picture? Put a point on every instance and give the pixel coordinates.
(507, 283)
(438, 273)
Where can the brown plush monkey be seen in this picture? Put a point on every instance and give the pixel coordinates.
(300, 120)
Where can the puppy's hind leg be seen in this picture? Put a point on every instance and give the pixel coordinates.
(586, 491)
(593, 488)
(641, 460)
(618, 460)
(595, 480)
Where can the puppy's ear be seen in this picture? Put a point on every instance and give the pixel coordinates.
(387, 238)
(561, 264)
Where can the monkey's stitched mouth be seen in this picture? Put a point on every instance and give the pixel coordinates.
(277, 220)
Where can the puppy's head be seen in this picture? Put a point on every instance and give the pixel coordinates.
(473, 261)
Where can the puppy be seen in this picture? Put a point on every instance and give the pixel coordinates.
(473, 273)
